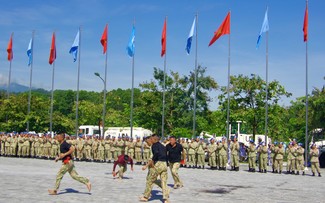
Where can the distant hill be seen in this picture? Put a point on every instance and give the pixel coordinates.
(18, 88)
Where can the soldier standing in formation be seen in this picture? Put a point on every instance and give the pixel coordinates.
(251, 151)
(279, 153)
(314, 160)
(191, 153)
(223, 148)
(201, 154)
(212, 148)
(234, 148)
(263, 152)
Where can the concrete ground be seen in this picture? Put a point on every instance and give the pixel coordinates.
(27, 180)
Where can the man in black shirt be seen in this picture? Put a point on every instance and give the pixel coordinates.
(66, 151)
(174, 153)
(158, 167)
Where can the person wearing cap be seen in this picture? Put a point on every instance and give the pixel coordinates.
(263, 152)
(290, 159)
(94, 148)
(146, 152)
(295, 154)
(300, 159)
(107, 149)
(272, 149)
(201, 154)
(158, 167)
(131, 148)
(185, 146)
(234, 148)
(138, 150)
(279, 153)
(54, 149)
(223, 148)
(80, 148)
(314, 153)
(66, 151)
(112, 142)
(192, 153)
(122, 162)
(119, 147)
(212, 148)
(126, 144)
(251, 151)
(101, 149)
(175, 153)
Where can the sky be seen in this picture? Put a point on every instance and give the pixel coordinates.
(286, 47)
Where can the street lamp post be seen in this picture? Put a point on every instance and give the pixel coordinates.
(104, 104)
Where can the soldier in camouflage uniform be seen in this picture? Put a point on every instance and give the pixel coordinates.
(251, 151)
(138, 151)
(192, 153)
(201, 154)
(234, 149)
(113, 142)
(263, 151)
(157, 168)
(107, 148)
(146, 152)
(80, 148)
(94, 148)
(212, 147)
(300, 159)
(131, 149)
(223, 148)
(314, 153)
(279, 153)
(119, 147)
(54, 148)
(185, 147)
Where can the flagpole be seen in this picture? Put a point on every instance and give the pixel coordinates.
(77, 99)
(132, 93)
(228, 86)
(30, 79)
(195, 77)
(51, 110)
(267, 85)
(164, 89)
(306, 130)
(104, 104)
(9, 78)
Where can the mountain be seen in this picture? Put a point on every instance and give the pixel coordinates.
(14, 87)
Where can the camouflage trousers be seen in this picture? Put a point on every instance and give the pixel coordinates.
(300, 164)
(278, 165)
(138, 156)
(252, 162)
(212, 160)
(69, 167)
(191, 160)
(223, 160)
(174, 171)
(234, 160)
(122, 170)
(160, 170)
(263, 163)
(314, 167)
(200, 160)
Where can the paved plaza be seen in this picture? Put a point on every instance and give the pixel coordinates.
(27, 180)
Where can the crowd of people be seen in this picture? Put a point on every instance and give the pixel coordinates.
(198, 152)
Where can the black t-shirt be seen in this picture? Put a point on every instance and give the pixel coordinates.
(158, 152)
(65, 147)
(174, 153)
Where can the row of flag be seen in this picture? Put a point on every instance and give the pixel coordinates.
(223, 29)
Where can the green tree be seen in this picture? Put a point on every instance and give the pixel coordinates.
(247, 100)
